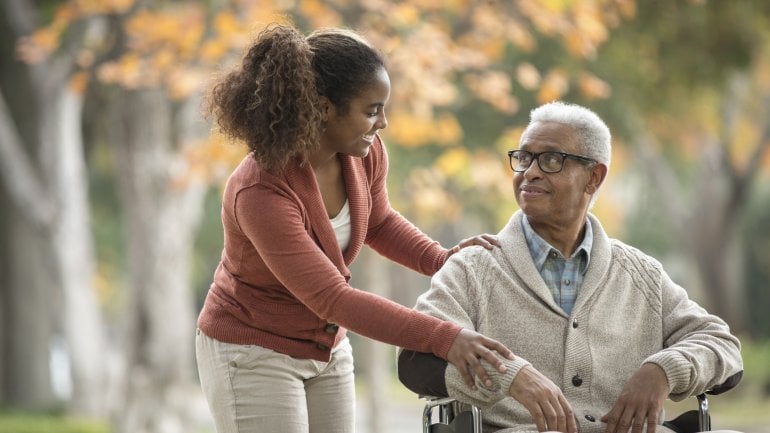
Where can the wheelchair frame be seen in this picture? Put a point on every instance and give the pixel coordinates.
(449, 409)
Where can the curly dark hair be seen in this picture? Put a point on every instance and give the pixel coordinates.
(272, 101)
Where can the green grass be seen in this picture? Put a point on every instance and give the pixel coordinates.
(16, 422)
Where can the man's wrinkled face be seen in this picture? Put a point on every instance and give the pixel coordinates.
(554, 198)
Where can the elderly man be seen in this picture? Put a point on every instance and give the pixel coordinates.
(602, 334)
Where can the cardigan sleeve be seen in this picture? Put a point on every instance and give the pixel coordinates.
(458, 295)
(273, 222)
(699, 350)
(390, 233)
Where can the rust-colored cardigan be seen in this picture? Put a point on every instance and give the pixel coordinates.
(282, 282)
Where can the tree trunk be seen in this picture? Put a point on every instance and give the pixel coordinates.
(24, 290)
(707, 235)
(163, 206)
(46, 287)
(712, 238)
(72, 247)
(26, 305)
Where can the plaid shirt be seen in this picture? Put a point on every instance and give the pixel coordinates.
(563, 276)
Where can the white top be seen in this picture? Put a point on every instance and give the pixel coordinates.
(341, 226)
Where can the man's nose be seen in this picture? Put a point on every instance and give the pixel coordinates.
(533, 170)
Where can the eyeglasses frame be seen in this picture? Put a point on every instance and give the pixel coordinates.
(536, 157)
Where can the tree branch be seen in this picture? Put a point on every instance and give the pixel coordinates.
(741, 181)
(18, 174)
(660, 172)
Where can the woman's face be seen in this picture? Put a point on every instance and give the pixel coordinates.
(352, 133)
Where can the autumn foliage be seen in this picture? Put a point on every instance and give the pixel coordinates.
(441, 55)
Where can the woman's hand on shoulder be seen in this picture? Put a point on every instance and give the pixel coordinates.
(485, 240)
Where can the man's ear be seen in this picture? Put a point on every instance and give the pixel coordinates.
(598, 174)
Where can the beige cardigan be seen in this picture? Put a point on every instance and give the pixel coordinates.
(628, 312)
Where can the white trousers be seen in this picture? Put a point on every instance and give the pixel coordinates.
(251, 389)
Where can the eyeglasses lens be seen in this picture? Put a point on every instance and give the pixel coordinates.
(549, 162)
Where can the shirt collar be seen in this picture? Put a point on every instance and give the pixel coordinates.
(540, 249)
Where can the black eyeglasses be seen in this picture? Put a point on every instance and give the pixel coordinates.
(549, 162)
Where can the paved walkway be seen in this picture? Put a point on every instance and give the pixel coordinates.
(398, 416)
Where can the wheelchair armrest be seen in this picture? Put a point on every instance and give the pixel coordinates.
(700, 420)
(727, 385)
(422, 373)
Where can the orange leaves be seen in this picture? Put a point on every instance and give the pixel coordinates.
(588, 32)
(520, 37)
(166, 48)
(38, 46)
(43, 42)
(97, 7)
(405, 14)
(231, 32)
(437, 56)
(555, 85)
(227, 23)
(413, 131)
(431, 203)
(593, 87)
(319, 14)
(212, 51)
(582, 25)
(162, 50)
(212, 159)
(125, 71)
(509, 139)
(78, 82)
(528, 76)
(557, 82)
(176, 33)
(422, 66)
(436, 193)
(170, 44)
(494, 87)
(181, 83)
(427, 41)
(453, 161)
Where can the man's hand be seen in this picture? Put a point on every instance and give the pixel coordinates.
(467, 350)
(640, 402)
(544, 401)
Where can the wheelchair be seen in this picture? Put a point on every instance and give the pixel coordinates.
(457, 417)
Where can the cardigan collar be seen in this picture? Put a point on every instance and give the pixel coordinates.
(301, 179)
(514, 247)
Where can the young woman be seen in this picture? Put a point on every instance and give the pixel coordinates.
(271, 345)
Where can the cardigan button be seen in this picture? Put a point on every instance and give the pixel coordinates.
(322, 346)
(331, 328)
(577, 381)
(590, 418)
(574, 323)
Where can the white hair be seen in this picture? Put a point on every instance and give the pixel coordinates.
(593, 133)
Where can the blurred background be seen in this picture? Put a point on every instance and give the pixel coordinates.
(110, 176)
